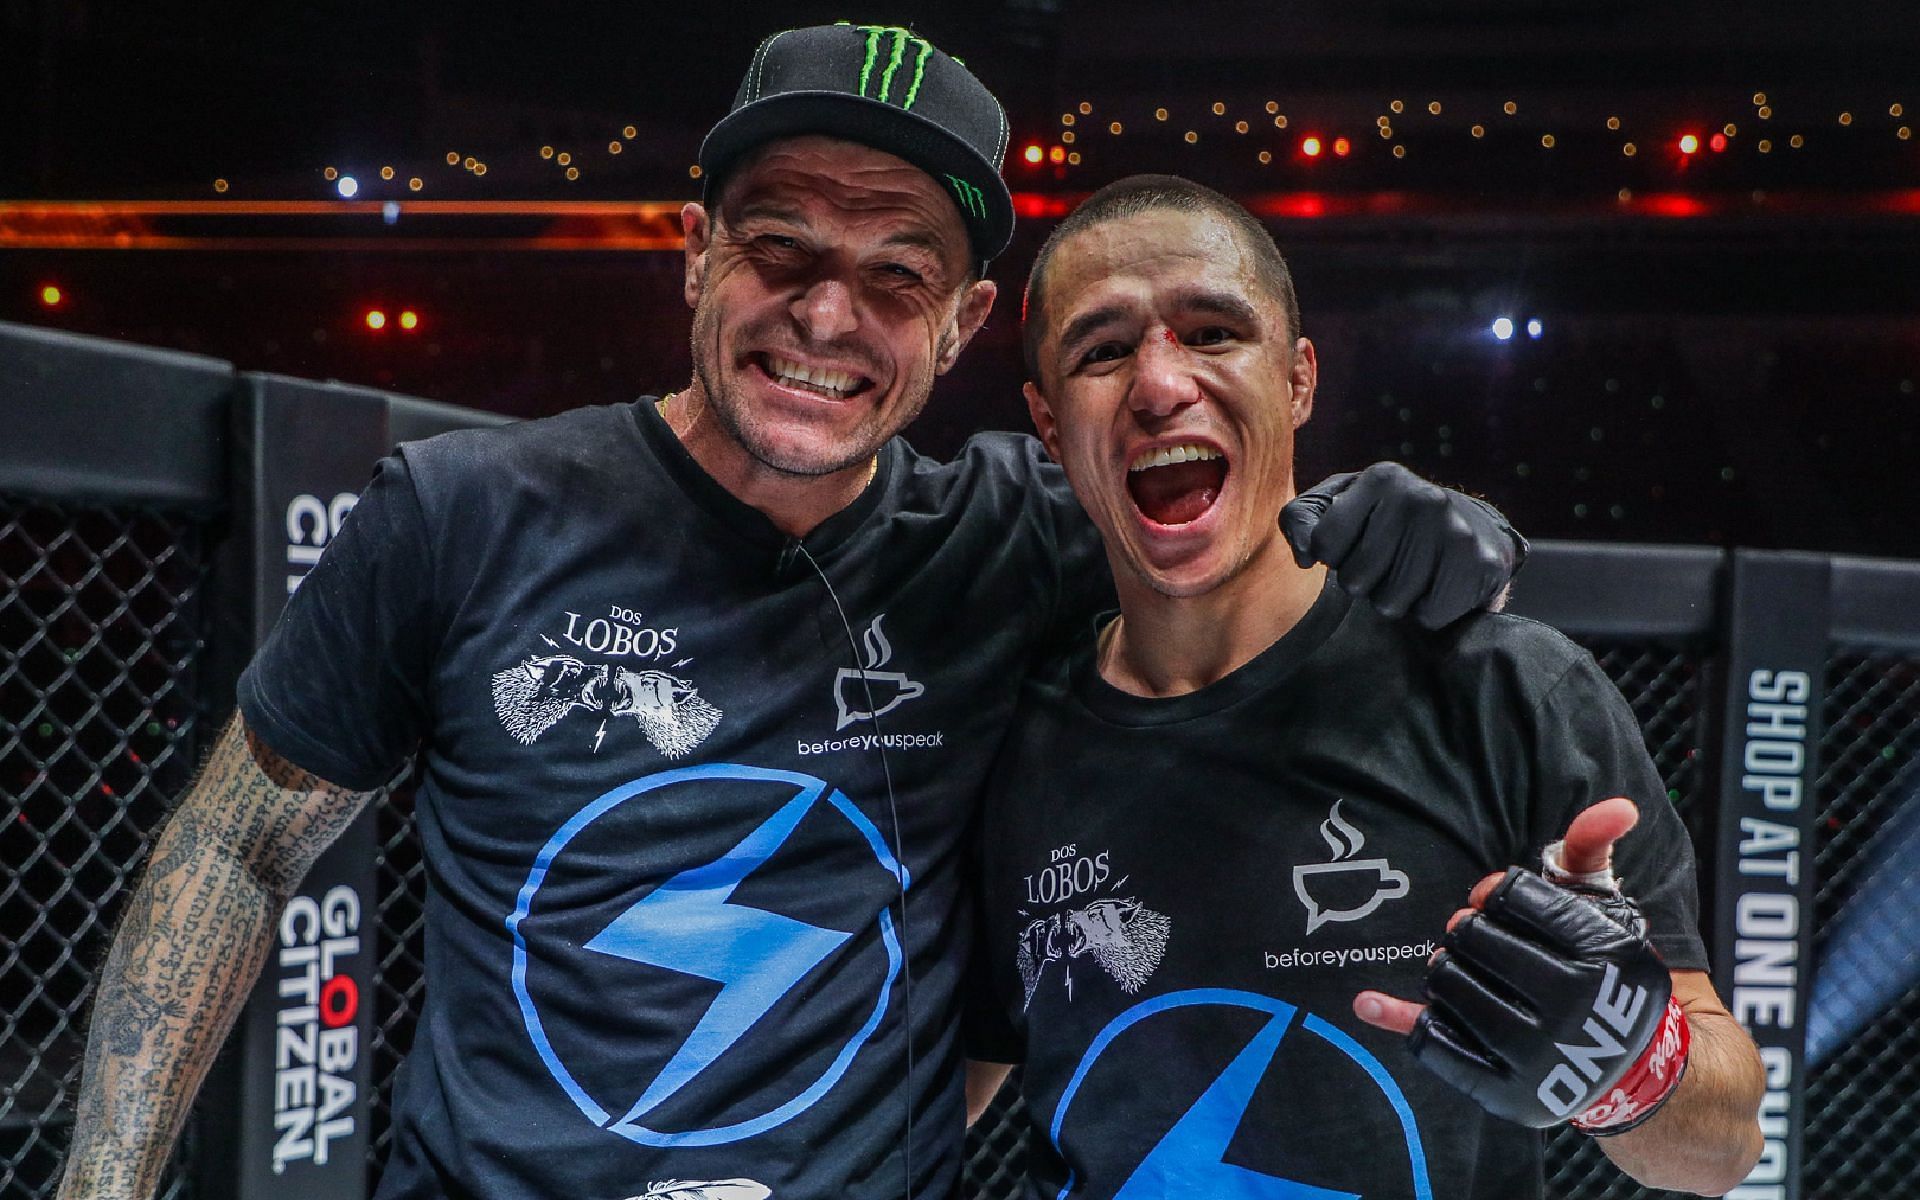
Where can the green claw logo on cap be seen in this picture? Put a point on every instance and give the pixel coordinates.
(972, 200)
(901, 38)
(887, 50)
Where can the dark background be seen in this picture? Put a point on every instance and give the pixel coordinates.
(1728, 347)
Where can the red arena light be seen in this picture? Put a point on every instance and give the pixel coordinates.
(1038, 206)
(1689, 144)
(1717, 142)
(1673, 204)
(409, 320)
(1033, 154)
(1057, 155)
(1291, 204)
(1310, 147)
(51, 296)
(376, 319)
(1342, 147)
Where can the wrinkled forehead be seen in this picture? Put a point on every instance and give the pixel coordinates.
(826, 178)
(1155, 264)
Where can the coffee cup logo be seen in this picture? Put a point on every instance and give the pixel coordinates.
(862, 695)
(1349, 887)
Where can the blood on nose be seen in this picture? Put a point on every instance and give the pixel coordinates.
(1164, 381)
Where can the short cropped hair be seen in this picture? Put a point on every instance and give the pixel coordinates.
(1138, 194)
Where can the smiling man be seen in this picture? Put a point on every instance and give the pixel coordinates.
(831, 284)
(702, 691)
(1226, 831)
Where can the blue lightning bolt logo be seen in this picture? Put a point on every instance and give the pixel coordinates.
(689, 925)
(1190, 1159)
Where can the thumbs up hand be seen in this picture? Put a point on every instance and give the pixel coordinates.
(1546, 1002)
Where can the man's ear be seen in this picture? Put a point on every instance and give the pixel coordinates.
(697, 228)
(1302, 379)
(975, 304)
(1043, 422)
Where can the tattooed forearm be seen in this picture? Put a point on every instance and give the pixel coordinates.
(194, 937)
(126, 1026)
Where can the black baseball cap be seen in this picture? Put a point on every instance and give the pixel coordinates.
(881, 86)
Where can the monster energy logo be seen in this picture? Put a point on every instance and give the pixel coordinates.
(891, 41)
(972, 200)
(901, 38)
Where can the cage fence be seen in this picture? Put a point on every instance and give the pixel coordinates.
(101, 635)
(399, 980)
(1863, 1094)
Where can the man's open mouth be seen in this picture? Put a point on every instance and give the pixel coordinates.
(825, 382)
(1175, 485)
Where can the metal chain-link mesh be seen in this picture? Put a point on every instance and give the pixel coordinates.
(100, 642)
(399, 985)
(1863, 1101)
(996, 1165)
(1666, 686)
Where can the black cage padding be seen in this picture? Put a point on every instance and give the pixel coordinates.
(111, 423)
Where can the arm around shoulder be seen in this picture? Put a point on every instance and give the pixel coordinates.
(193, 938)
(1706, 1137)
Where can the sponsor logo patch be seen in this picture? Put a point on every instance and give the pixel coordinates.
(1349, 888)
(1194, 1157)
(871, 692)
(606, 666)
(867, 693)
(1077, 909)
(690, 925)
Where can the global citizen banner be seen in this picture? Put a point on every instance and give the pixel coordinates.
(304, 1070)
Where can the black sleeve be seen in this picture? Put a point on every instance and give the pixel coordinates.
(987, 1029)
(986, 1033)
(340, 686)
(1591, 748)
(1084, 580)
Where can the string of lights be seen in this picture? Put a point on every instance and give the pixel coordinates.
(1305, 134)
(1262, 132)
(1310, 140)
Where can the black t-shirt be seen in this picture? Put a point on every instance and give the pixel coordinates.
(1183, 897)
(663, 939)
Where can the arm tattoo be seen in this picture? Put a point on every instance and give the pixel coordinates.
(194, 937)
(126, 1026)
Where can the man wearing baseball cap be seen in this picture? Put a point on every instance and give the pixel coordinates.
(701, 691)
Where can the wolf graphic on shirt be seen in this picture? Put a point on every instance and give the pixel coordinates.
(534, 695)
(1124, 937)
(667, 709)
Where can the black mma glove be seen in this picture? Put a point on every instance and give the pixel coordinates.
(1548, 1005)
(1404, 544)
